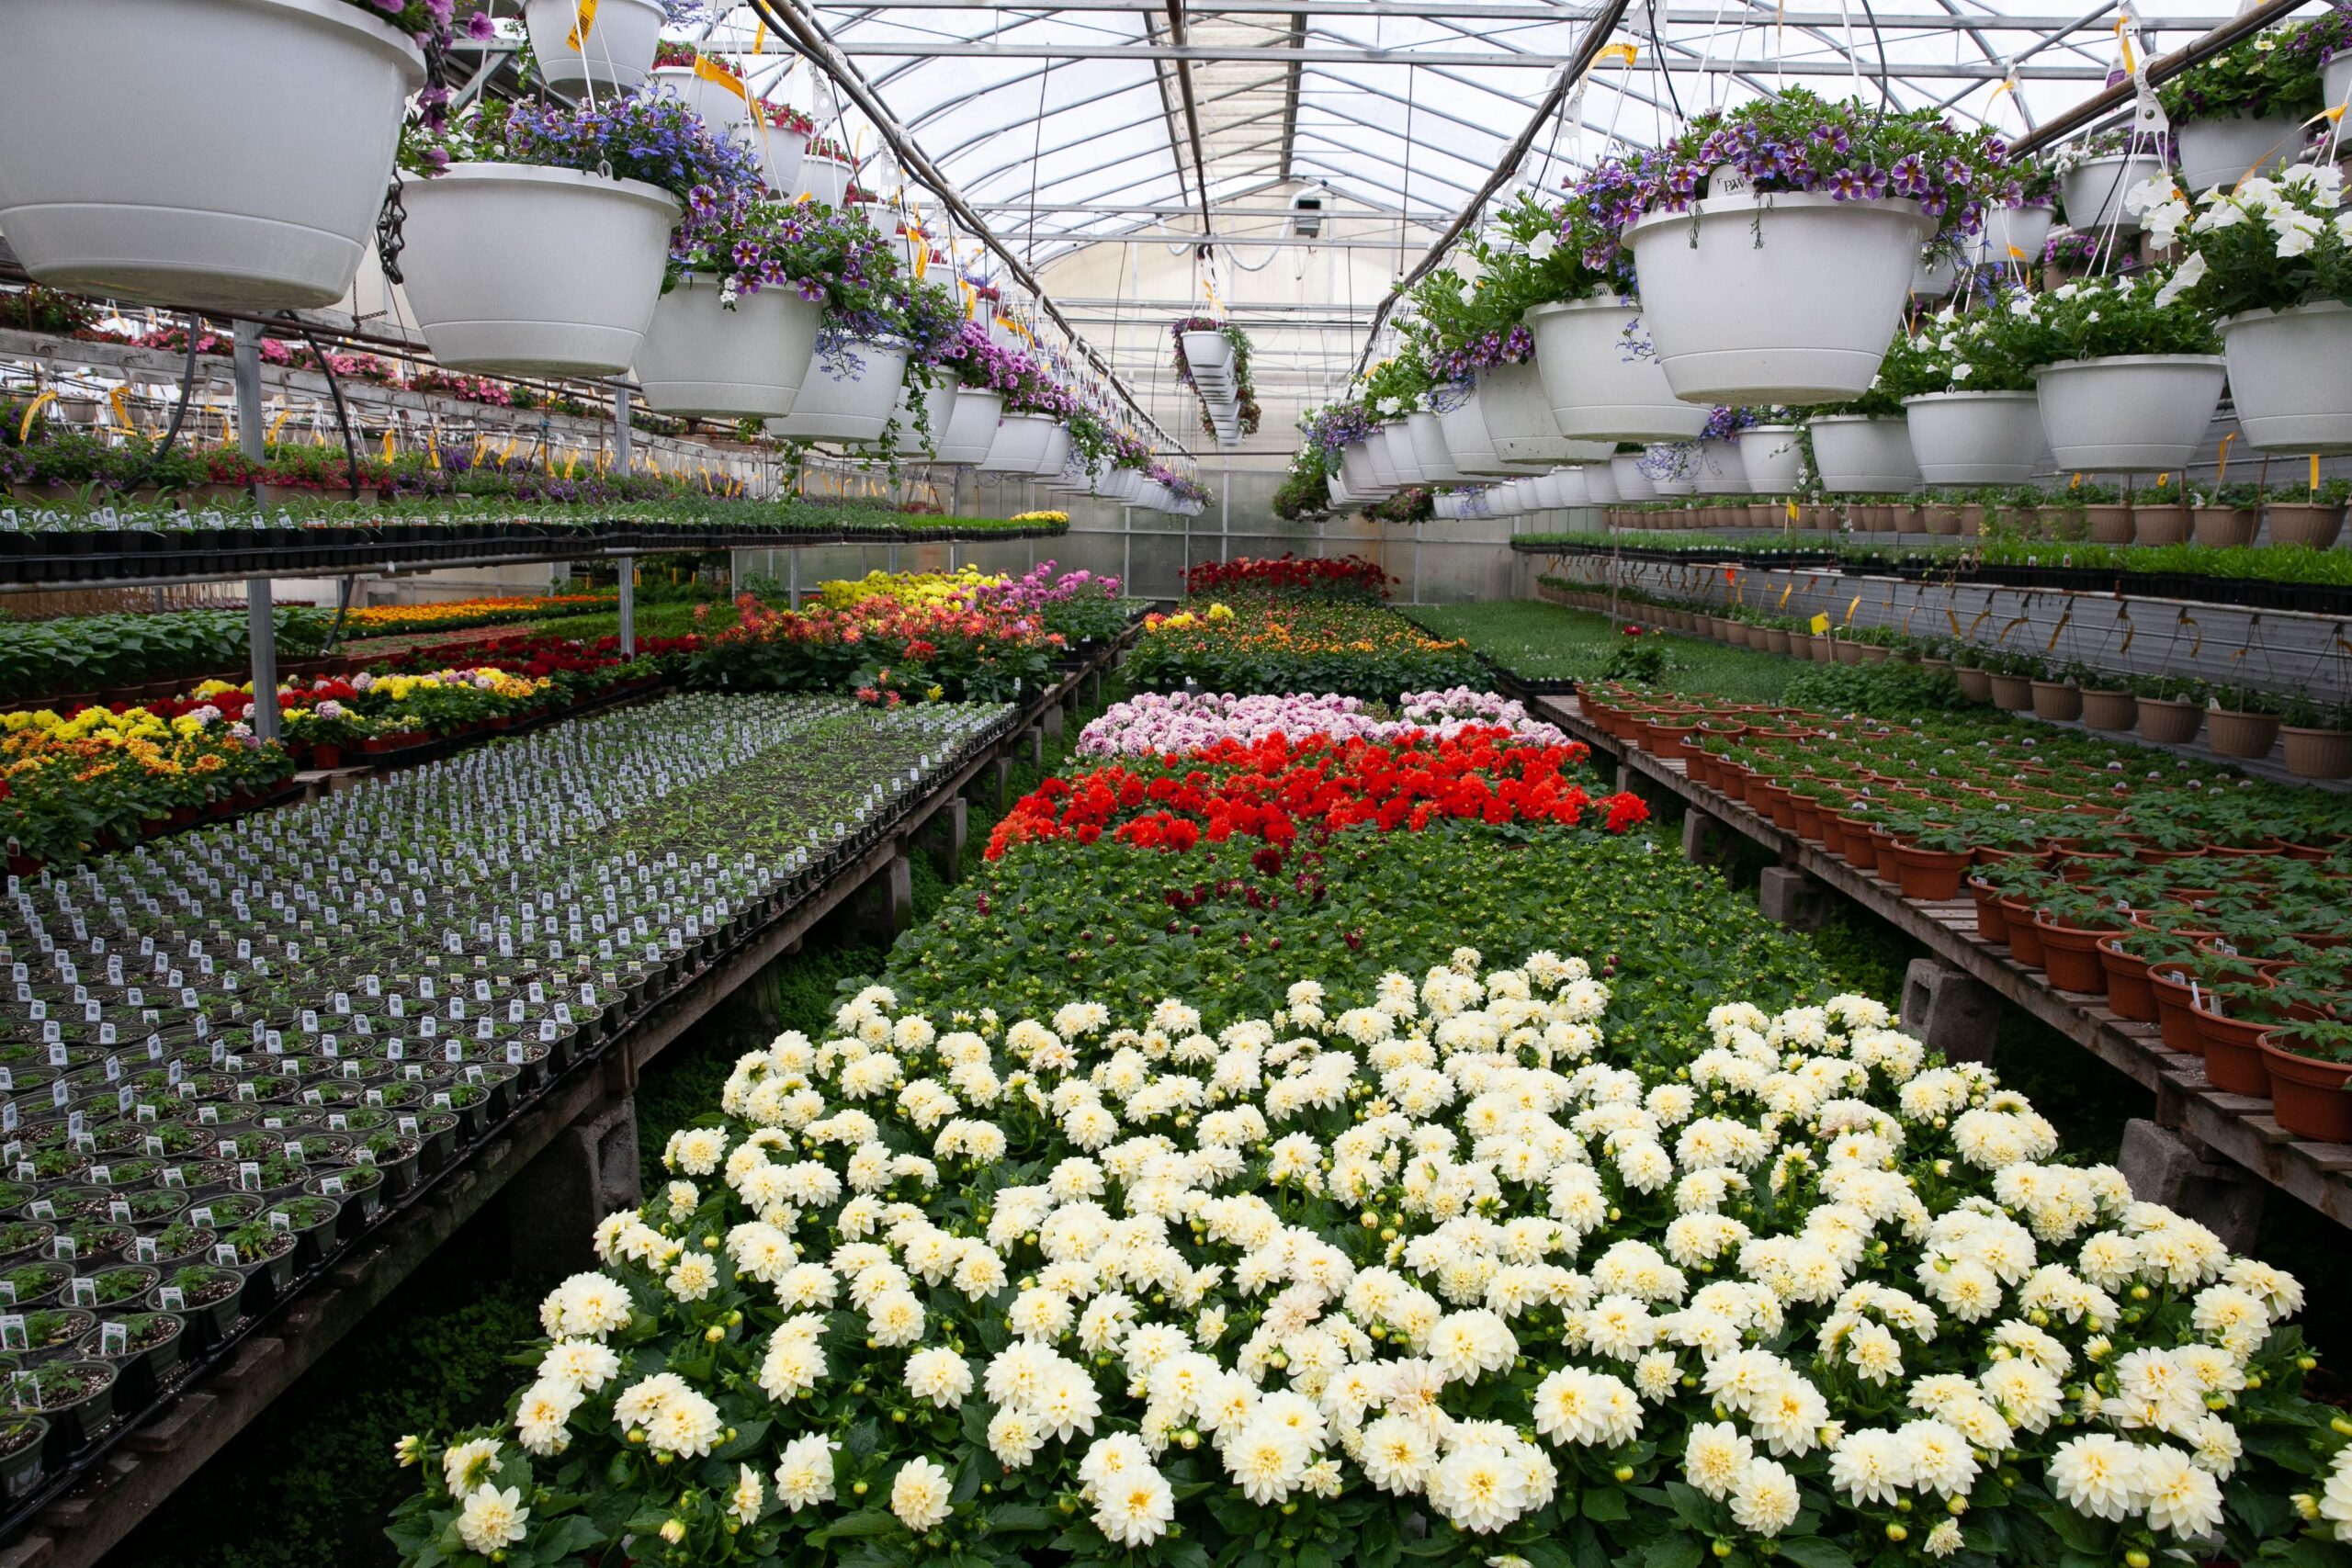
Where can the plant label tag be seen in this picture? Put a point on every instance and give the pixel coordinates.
(61, 1247)
(142, 1250)
(83, 1291)
(225, 1255)
(12, 1333)
(171, 1298)
(279, 1219)
(249, 1175)
(114, 1338)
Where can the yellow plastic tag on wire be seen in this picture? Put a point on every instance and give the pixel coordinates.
(1819, 624)
(25, 429)
(710, 69)
(584, 22)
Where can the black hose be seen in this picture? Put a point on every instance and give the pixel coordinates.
(342, 413)
(179, 412)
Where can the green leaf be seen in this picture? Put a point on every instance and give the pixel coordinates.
(1674, 1551)
(1603, 1503)
(866, 1522)
(1812, 1551)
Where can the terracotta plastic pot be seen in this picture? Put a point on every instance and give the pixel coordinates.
(2224, 527)
(2152, 525)
(2056, 700)
(2169, 723)
(2307, 1096)
(1928, 875)
(2317, 753)
(2128, 993)
(2233, 734)
(2070, 957)
(2025, 937)
(2012, 694)
(2296, 522)
(232, 154)
(2176, 1011)
(2110, 523)
(1976, 685)
(2109, 710)
(2233, 1053)
(1992, 920)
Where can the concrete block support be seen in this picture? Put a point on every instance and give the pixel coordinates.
(1000, 775)
(1790, 897)
(1052, 721)
(1706, 841)
(943, 838)
(554, 1204)
(1950, 1011)
(885, 906)
(1033, 748)
(2163, 1167)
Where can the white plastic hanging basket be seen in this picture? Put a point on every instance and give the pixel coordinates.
(1625, 472)
(1771, 457)
(939, 392)
(1019, 444)
(1718, 470)
(519, 270)
(1600, 484)
(1783, 298)
(2014, 236)
(781, 152)
(1397, 438)
(2224, 151)
(825, 179)
(1207, 351)
(971, 430)
(701, 358)
(1671, 468)
(1466, 435)
(1518, 415)
(850, 393)
(1974, 438)
(1600, 378)
(1574, 489)
(1376, 452)
(2094, 189)
(724, 111)
(2291, 377)
(1056, 455)
(2335, 81)
(608, 45)
(1861, 455)
(1355, 464)
(1429, 449)
(232, 154)
(2130, 413)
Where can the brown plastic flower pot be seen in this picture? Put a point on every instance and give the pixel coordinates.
(2160, 524)
(2070, 958)
(2304, 523)
(1928, 875)
(2233, 1053)
(2224, 527)
(2109, 710)
(2317, 753)
(2012, 694)
(2235, 734)
(2057, 700)
(2110, 523)
(1991, 922)
(2128, 992)
(2306, 1095)
(2169, 723)
(2025, 937)
(1974, 684)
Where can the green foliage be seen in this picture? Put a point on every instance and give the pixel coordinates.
(2256, 78)
(85, 653)
(1895, 689)
(1545, 642)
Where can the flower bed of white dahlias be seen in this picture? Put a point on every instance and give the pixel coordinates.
(1437, 1273)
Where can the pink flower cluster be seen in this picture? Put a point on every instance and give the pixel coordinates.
(1040, 587)
(1180, 722)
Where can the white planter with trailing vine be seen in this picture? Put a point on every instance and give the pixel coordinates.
(1672, 469)
(2224, 151)
(1019, 444)
(1790, 298)
(1771, 459)
(2014, 236)
(2291, 377)
(232, 154)
(825, 179)
(1465, 426)
(1863, 454)
(781, 151)
(971, 430)
(701, 357)
(1974, 438)
(1518, 415)
(520, 270)
(724, 103)
(850, 393)
(608, 45)
(2094, 189)
(2129, 412)
(1600, 379)
(2335, 81)
(1355, 465)
(1625, 473)
(1717, 470)
(1210, 351)
(1431, 450)
(1375, 451)
(938, 391)
(1396, 440)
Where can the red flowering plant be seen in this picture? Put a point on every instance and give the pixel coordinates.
(1336, 576)
(1278, 789)
(954, 651)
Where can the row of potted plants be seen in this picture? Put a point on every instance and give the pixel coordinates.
(1266, 640)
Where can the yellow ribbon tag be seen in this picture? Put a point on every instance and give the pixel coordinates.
(585, 13)
(2131, 64)
(2061, 626)
(389, 448)
(1624, 51)
(121, 407)
(433, 449)
(1792, 511)
(277, 424)
(710, 69)
(25, 430)
(1953, 618)
(2222, 467)
(1820, 624)
(2076, 483)
(1850, 608)
(2315, 473)
(2123, 613)
(1783, 604)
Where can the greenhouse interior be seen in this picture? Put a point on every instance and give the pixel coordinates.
(1499, 783)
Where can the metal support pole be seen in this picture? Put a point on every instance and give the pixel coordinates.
(622, 456)
(1127, 549)
(1225, 517)
(795, 575)
(261, 624)
(629, 605)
